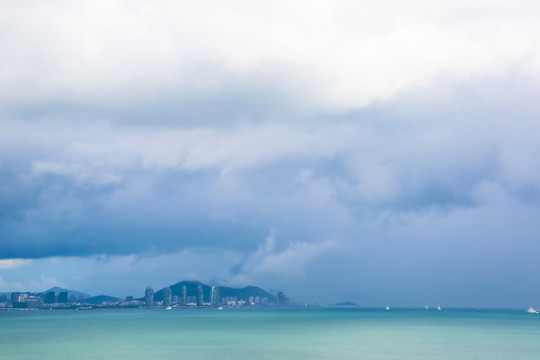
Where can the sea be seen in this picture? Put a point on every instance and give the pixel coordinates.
(268, 333)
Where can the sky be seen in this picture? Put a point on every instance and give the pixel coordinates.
(381, 152)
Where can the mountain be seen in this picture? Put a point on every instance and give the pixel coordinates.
(100, 299)
(346, 303)
(224, 291)
(58, 290)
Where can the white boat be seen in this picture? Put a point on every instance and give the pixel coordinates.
(168, 308)
(427, 307)
(220, 308)
(531, 310)
(387, 307)
(438, 308)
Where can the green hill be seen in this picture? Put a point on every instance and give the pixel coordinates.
(224, 291)
(58, 290)
(346, 303)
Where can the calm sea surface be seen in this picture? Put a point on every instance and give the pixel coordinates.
(320, 333)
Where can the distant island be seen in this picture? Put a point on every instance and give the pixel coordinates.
(184, 293)
(346, 303)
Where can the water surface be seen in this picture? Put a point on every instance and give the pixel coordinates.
(313, 333)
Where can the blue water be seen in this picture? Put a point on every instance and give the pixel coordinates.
(313, 333)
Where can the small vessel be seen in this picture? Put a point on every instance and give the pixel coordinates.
(168, 308)
(387, 307)
(85, 308)
(427, 307)
(532, 310)
(438, 308)
(220, 308)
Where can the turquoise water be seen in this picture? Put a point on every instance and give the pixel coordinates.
(238, 334)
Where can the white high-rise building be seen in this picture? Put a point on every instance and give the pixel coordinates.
(214, 296)
(167, 296)
(149, 296)
(200, 295)
(184, 295)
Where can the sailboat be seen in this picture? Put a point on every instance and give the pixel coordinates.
(438, 308)
(387, 307)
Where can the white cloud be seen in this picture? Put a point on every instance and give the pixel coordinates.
(45, 283)
(343, 54)
(80, 173)
(378, 161)
(289, 262)
(13, 263)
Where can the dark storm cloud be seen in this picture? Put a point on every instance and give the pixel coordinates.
(121, 190)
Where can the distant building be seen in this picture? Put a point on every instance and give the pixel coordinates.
(282, 300)
(63, 297)
(149, 296)
(191, 300)
(254, 300)
(200, 295)
(18, 300)
(33, 302)
(214, 296)
(184, 295)
(17, 297)
(49, 297)
(230, 301)
(167, 296)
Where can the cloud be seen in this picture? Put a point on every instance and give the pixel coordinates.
(327, 55)
(374, 137)
(45, 283)
(13, 263)
(106, 188)
(290, 262)
(80, 174)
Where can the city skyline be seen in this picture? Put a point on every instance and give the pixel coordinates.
(184, 293)
(387, 150)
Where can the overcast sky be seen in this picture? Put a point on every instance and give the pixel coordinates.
(382, 152)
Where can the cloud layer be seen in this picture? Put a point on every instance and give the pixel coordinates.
(388, 150)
